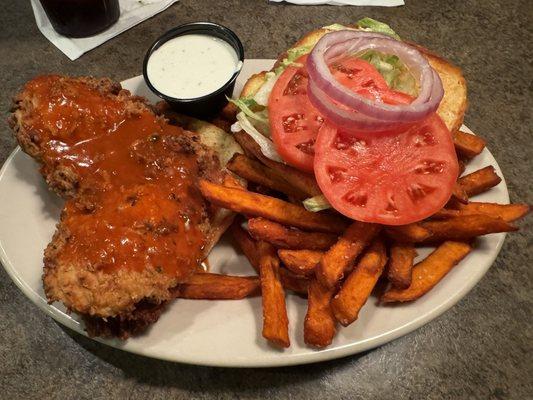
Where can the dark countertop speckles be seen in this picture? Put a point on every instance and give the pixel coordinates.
(480, 349)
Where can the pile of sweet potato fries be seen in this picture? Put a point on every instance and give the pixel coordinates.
(333, 261)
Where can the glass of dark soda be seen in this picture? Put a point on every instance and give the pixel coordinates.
(81, 18)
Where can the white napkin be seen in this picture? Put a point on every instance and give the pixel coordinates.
(132, 12)
(383, 3)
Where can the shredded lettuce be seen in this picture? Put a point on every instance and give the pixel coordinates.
(266, 145)
(371, 25)
(393, 70)
(292, 55)
(390, 67)
(244, 104)
(255, 107)
(261, 97)
(316, 203)
(295, 52)
(257, 113)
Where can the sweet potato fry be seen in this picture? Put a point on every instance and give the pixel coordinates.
(301, 262)
(400, 266)
(254, 171)
(246, 243)
(304, 182)
(459, 194)
(445, 213)
(233, 182)
(293, 282)
(479, 181)
(462, 167)
(467, 145)
(465, 228)
(453, 203)
(229, 112)
(257, 205)
(275, 320)
(411, 233)
(427, 273)
(290, 281)
(287, 238)
(246, 143)
(340, 257)
(319, 324)
(507, 212)
(356, 289)
(210, 286)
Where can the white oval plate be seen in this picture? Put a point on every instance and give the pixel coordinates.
(220, 333)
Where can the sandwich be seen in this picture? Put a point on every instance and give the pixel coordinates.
(293, 120)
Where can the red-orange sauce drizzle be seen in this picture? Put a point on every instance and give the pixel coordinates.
(138, 207)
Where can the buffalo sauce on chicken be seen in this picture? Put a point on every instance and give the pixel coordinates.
(136, 205)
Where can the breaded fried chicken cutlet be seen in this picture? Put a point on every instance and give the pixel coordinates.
(134, 224)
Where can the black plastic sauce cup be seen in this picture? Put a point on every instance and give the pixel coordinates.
(209, 104)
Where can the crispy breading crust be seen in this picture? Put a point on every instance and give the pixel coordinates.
(117, 303)
(61, 178)
(93, 292)
(125, 325)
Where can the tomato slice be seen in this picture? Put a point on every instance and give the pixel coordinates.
(294, 121)
(391, 179)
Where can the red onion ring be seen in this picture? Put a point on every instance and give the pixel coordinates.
(340, 49)
(376, 114)
(348, 120)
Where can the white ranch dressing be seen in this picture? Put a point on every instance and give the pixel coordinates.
(191, 66)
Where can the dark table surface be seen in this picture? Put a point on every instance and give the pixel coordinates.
(481, 348)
